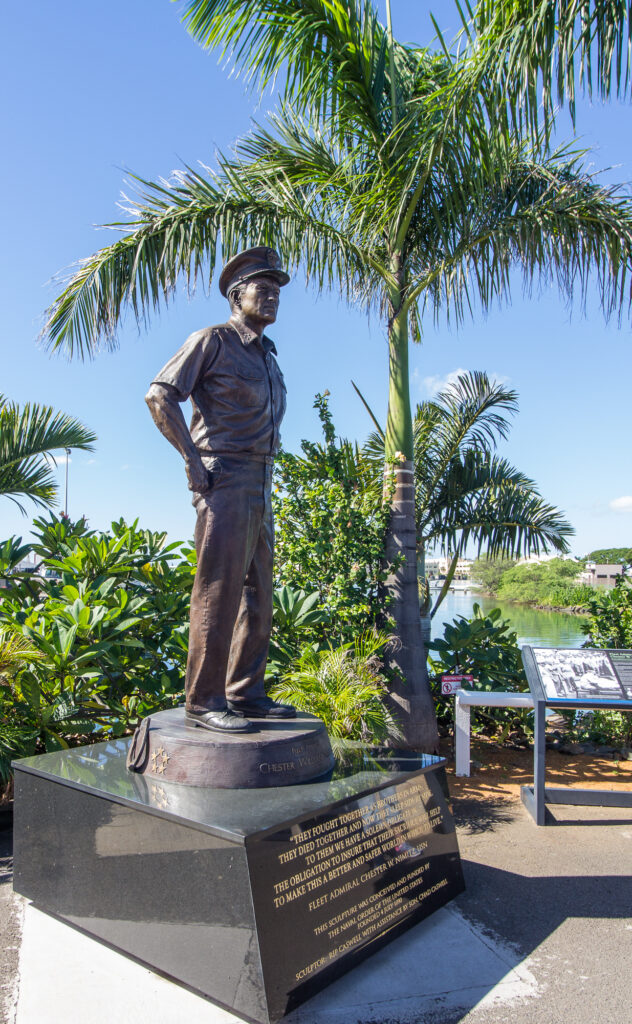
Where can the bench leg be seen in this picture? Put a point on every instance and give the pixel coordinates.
(462, 737)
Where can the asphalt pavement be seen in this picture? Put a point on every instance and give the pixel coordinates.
(542, 935)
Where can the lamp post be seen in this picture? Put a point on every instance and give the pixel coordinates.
(67, 450)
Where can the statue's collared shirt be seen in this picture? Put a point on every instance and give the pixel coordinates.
(235, 386)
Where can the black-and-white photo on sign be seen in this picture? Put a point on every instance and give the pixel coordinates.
(579, 675)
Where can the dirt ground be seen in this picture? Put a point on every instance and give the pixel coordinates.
(497, 772)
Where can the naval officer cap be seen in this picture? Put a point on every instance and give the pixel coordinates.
(258, 262)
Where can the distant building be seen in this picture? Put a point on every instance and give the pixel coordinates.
(437, 568)
(601, 575)
(28, 564)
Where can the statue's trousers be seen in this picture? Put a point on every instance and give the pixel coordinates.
(231, 601)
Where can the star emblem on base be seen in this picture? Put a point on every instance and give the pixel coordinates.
(159, 761)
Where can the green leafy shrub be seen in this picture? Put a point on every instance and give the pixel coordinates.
(574, 595)
(297, 620)
(489, 572)
(343, 686)
(18, 736)
(540, 583)
(331, 523)
(601, 726)
(485, 647)
(108, 622)
(609, 622)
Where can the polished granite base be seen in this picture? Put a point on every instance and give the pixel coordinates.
(256, 899)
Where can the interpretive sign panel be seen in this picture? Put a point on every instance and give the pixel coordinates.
(337, 884)
(572, 678)
(585, 675)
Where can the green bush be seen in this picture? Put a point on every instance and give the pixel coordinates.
(108, 625)
(343, 686)
(538, 584)
(331, 521)
(18, 736)
(486, 648)
(609, 622)
(576, 595)
(612, 728)
(298, 621)
(489, 572)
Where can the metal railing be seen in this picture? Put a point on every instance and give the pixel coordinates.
(466, 699)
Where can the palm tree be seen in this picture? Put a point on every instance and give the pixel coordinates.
(344, 687)
(465, 494)
(28, 438)
(366, 179)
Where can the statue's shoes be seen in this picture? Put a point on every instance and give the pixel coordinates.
(223, 720)
(262, 707)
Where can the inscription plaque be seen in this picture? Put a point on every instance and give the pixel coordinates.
(340, 883)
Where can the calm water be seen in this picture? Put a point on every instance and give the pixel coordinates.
(539, 629)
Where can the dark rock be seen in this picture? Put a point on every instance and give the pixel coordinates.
(571, 748)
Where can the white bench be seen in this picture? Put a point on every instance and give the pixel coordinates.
(463, 701)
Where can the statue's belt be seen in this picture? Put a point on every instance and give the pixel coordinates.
(268, 460)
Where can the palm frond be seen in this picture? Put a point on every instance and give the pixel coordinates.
(547, 217)
(180, 230)
(469, 412)
(539, 52)
(484, 501)
(29, 435)
(464, 493)
(15, 651)
(332, 52)
(342, 686)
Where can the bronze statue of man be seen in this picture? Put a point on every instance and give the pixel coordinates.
(238, 396)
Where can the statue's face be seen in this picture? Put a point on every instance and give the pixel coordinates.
(259, 299)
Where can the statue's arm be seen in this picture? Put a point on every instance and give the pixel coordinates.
(166, 412)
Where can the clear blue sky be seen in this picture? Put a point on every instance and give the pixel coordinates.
(93, 90)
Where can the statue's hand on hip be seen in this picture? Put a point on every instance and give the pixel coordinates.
(198, 475)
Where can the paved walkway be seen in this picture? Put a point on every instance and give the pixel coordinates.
(542, 935)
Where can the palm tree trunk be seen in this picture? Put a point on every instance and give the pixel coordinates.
(410, 696)
(447, 583)
(425, 603)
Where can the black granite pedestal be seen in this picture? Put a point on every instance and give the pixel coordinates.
(255, 898)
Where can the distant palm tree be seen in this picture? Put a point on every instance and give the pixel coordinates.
(465, 494)
(29, 436)
(385, 184)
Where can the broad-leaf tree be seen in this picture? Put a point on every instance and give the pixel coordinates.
(29, 437)
(367, 180)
